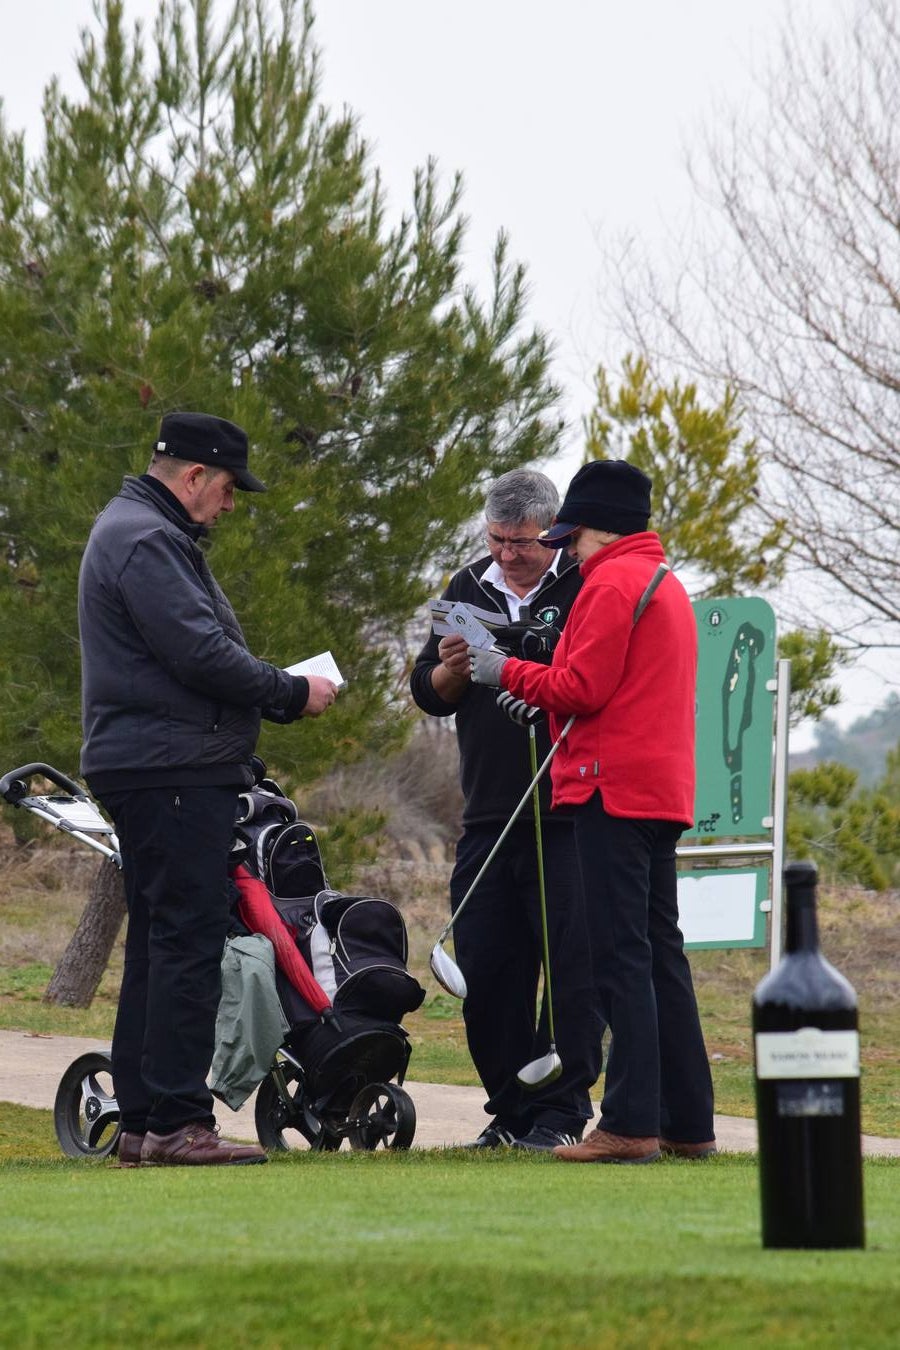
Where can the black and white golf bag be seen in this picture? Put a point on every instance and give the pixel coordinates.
(355, 945)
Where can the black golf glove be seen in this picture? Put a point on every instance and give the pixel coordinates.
(534, 641)
(517, 710)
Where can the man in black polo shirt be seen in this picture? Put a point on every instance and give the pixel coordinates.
(171, 708)
(497, 939)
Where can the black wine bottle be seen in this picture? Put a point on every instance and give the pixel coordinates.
(806, 1046)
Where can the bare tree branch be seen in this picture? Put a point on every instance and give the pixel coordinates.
(789, 292)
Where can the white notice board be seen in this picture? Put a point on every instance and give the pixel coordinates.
(722, 907)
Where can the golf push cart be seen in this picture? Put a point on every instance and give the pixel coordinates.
(341, 978)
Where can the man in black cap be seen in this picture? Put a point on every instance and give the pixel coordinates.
(171, 708)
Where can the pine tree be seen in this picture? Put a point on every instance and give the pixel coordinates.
(704, 477)
(854, 834)
(200, 233)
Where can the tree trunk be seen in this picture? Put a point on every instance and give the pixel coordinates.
(82, 964)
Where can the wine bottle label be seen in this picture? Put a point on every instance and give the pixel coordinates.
(810, 1098)
(807, 1053)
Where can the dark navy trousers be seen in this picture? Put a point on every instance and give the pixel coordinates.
(657, 1075)
(498, 945)
(175, 844)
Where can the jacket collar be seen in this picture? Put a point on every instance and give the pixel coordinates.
(550, 579)
(646, 544)
(153, 493)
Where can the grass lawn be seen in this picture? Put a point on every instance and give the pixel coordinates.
(441, 1248)
(422, 1249)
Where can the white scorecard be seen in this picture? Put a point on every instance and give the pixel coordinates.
(323, 664)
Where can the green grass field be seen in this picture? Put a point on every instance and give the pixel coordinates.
(423, 1249)
(432, 1249)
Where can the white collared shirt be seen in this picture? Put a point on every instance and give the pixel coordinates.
(516, 603)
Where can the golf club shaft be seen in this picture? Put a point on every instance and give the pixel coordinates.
(542, 893)
(506, 829)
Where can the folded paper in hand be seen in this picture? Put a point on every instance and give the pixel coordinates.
(323, 664)
(462, 620)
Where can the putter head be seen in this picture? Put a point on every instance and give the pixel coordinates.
(447, 972)
(541, 1071)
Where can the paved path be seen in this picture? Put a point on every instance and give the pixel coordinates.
(32, 1065)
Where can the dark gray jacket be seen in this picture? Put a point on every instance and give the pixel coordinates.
(170, 693)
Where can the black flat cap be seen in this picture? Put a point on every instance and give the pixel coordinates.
(204, 439)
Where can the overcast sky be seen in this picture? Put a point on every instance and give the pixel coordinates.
(568, 121)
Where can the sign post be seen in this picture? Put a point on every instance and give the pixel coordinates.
(742, 729)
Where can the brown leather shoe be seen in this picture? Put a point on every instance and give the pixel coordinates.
(602, 1147)
(679, 1150)
(129, 1149)
(197, 1145)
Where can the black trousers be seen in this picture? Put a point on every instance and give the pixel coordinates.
(174, 844)
(657, 1075)
(498, 947)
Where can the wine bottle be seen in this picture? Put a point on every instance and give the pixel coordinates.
(806, 1046)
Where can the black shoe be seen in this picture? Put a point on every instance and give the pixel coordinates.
(543, 1139)
(493, 1136)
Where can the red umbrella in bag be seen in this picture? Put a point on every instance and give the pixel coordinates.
(260, 916)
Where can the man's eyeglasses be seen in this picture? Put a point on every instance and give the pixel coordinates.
(498, 541)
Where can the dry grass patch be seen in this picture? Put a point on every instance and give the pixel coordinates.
(43, 889)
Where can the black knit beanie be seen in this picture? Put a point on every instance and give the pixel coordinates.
(607, 494)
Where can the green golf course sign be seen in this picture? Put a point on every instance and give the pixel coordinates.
(735, 709)
(722, 905)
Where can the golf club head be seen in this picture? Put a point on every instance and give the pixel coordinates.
(541, 1071)
(447, 972)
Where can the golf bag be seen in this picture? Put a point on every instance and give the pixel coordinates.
(354, 946)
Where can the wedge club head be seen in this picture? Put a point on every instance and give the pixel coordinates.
(539, 1072)
(447, 972)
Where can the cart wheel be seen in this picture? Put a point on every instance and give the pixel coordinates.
(85, 1112)
(282, 1125)
(381, 1114)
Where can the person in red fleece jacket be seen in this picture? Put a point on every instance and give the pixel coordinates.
(627, 770)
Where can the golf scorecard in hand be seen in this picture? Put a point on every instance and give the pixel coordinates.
(457, 619)
(323, 664)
